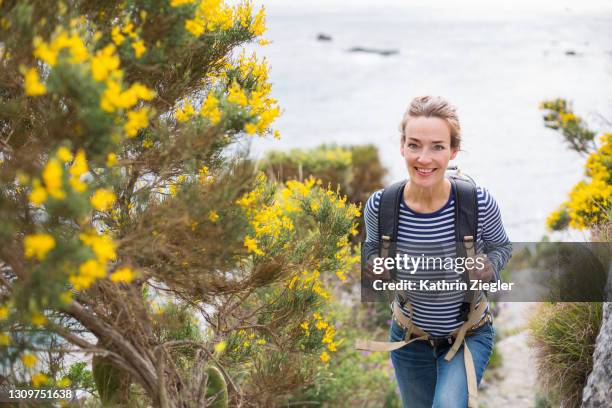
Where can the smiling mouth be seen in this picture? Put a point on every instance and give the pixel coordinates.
(424, 172)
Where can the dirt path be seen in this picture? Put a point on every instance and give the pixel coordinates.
(513, 384)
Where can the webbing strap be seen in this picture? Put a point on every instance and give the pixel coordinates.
(370, 345)
(470, 374)
(459, 334)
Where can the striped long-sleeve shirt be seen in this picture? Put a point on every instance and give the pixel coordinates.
(433, 235)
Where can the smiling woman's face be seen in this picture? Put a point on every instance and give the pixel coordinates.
(426, 148)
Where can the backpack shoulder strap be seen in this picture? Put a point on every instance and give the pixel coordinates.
(466, 210)
(388, 217)
(466, 224)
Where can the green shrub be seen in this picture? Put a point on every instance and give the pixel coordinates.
(356, 171)
(563, 336)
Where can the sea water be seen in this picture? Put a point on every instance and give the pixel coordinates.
(495, 62)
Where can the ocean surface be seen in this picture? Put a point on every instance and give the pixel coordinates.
(496, 63)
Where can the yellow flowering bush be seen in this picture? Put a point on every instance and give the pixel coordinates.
(120, 188)
(589, 202)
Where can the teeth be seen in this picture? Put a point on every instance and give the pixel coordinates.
(425, 170)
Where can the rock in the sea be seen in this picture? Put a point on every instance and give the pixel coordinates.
(384, 53)
(598, 391)
(324, 37)
(571, 52)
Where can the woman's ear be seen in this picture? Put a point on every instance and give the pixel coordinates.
(402, 140)
(454, 151)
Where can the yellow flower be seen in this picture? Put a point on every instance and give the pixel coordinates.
(304, 325)
(213, 216)
(139, 48)
(328, 337)
(136, 120)
(195, 27)
(32, 84)
(113, 98)
(103, 199)
(64, 154)
(39, 379)
(63, 383)
(38, 319)
(104, 63)
(117, 37)
(79, 167)
(251, 245)
(259, 23)
(4, 312)
(52, 175)
(321, 325)
(324, 357)
(236, 95)
(185, 113)
(38, 245)
(43, 51)
(210, 109)
(332, 347)
(102, 246)
(38, 194)
(250, 128)
(243, 13)
(29, 360)
(93, 269)
(122, 275)
(5, 339)
(176, 3)
(220, 347)
(111, 160)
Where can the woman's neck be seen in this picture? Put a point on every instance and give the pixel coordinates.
(427, 197)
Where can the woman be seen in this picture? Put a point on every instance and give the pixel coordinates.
(430, 139)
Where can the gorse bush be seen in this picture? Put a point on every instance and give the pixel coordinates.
(589, 203)
(130, 226)
(355, 171)
(563, 336)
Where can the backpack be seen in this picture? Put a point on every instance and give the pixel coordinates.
(466, 222)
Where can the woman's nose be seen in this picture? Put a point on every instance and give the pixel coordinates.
(424, 158)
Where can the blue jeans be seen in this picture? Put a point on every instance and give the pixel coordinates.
(426, 380)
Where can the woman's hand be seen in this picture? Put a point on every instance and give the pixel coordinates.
(486, 272)
(371, 275)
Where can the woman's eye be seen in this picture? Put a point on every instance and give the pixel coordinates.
(412, 145)
(439, 147)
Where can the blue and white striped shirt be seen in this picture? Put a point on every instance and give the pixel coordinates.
(433, 234)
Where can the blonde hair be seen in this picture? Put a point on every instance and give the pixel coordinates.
(434, 106)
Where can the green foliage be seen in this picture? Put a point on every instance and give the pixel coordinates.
(563, 336)
(216, 388)
(560, 116)
(356, 170)
(80, 377)
(112, 383)
(352, 377)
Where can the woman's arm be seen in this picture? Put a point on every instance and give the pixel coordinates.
(497, 246)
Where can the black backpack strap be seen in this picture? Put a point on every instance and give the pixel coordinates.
(388, 217)
(466, 223)
(388, 223)
(466, 210)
